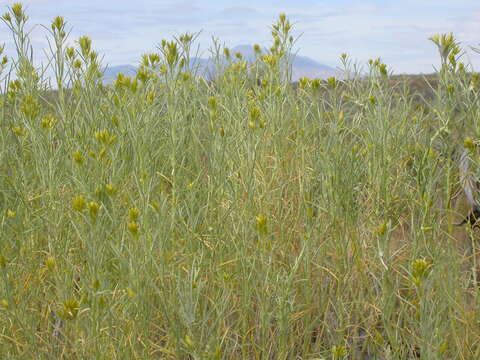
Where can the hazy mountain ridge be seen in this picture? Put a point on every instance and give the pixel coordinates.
(302, 66)
(111, 72)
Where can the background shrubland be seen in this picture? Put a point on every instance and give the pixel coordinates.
(167, 216)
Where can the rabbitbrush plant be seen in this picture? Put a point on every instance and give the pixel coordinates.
(166, 216)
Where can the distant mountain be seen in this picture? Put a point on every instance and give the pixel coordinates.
(111, 72)
(302, 66)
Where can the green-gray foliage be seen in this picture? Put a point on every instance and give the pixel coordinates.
(170, 217)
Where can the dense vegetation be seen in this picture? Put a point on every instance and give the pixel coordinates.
(170, 217)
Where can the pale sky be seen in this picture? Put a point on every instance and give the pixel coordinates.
(395, 30)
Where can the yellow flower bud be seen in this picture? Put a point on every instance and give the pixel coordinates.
(133, 214)
(111, 189)
(70, 309)
(77, 157)
(50, 263)
(261, 224)
(79, 203)
(380, 229)
(93, 209)
(469, 144)
(133, 227)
